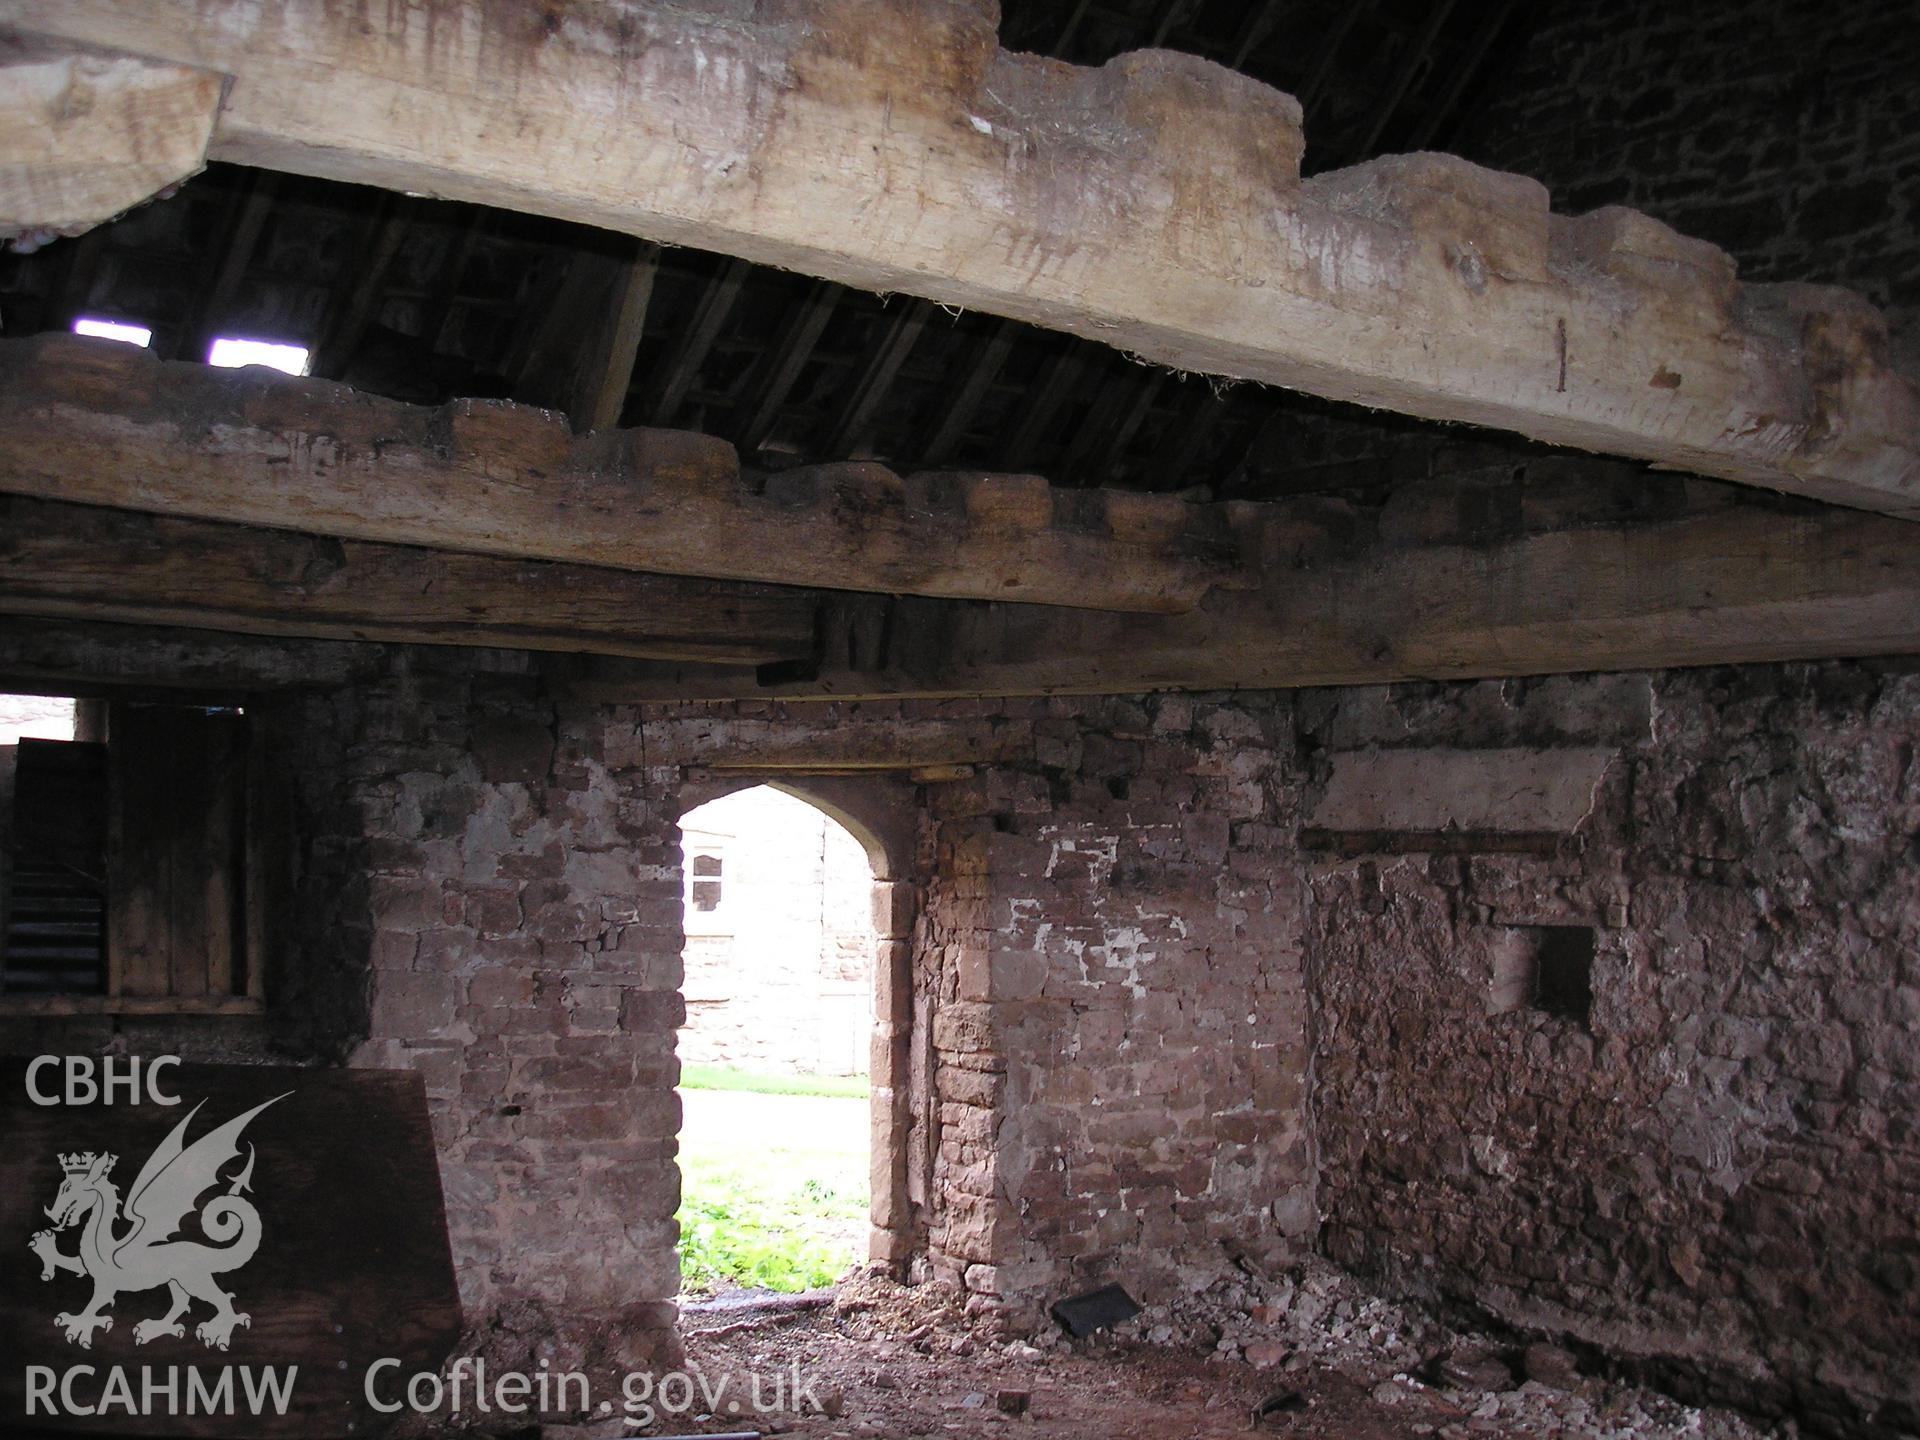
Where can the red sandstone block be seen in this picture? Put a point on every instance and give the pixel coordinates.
(548, 863)
(893, 907)
(604, 1120)
(652, 1010)
(411, 1004)
(394, 949)
(963, 1028)
(496, 988)
(493, 910)
(577, 1073)
(444, 949)
(969, 1087)
(403, 904)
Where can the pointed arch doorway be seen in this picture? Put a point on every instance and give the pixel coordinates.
(797, 921)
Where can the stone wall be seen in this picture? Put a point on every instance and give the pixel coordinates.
(1715, 1172)
(470, 889)
(1785, 131)
(1189, 978)
(1117, 1039)
(1102, 1041)
(503, 905)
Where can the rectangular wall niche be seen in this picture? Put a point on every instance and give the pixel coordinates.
(1546, 968)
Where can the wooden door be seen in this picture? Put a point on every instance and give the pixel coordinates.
(177, 845)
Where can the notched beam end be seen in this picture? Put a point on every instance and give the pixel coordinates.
(86, 135)
(1151, 129)
(657, 462)
(1634, 249)
(1485, 220)
(1859, 442)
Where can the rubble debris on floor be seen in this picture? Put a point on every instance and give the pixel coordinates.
(1310, 1354)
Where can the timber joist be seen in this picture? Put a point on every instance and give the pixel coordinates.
(85, 562)
(100, 423)
(164, 493)
(1154, 204)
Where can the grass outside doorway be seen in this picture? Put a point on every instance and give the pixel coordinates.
(773, 1180)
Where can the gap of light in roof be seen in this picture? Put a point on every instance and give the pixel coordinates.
(113, 330)
(231, 352)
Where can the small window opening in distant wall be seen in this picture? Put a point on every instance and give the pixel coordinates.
(1548, 968)
(705, 890)
(113, 330)
(231, 352)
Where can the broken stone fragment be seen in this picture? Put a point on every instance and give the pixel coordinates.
(1467, 1370)
(1265, 1354)
(1550, 1365)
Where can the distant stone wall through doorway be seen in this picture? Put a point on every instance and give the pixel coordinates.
(780, 938)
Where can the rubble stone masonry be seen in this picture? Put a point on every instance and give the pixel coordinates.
(1118, 1036)
(1592, 1003)
(506, 908)
(1782, 130)
(1717, 1172)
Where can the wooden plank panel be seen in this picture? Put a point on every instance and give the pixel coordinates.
(263, 874)
(195, 933)
(352, 1261)
(206, 774)
(226, 853)
(177, 792)
(140, 853)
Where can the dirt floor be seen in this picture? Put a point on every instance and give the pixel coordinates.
(885, 1360)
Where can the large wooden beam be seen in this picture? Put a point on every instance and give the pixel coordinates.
(84, 136)
(1594, 574)
(1356, 597)
(81, 562)
(80, 657)
(1153, 204)
(100, 423)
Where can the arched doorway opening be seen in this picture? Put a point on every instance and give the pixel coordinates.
(787, 1141)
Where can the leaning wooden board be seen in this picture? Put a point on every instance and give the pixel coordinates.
(352, 1262)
